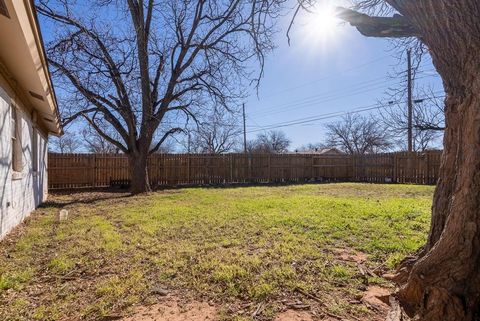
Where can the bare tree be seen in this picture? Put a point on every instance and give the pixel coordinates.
(95, 143)
(165, 58)
(217, 135)
(357, 134)
(428, 120)
(429, 114)
(69, 142)
(274, 141)
(442, 282)
(312, 147)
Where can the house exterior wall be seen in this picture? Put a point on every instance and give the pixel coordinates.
(21, 192)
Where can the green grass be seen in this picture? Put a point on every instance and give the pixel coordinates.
(230, 245)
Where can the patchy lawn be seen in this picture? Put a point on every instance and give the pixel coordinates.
(251, 251)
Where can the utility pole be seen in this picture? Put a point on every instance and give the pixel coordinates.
(244, 130)
(410, 102)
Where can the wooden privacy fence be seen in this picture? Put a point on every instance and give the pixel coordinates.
(102, 170)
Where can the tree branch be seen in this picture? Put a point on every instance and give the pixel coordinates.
(71, 118)
(393, 27)
(429, 127)
(94, 99)
(92, 123)
(164, 137)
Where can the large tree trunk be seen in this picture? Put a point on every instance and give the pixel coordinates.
(139, 172)
(443, 283)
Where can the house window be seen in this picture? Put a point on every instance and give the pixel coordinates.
(16, 141)
(34, 150)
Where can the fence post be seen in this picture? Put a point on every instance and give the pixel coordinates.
(354, 167)
(395, 164)
(312, 167)
(426, 179)
(231, 168)
(188, 169)
(269, 169)
(93, 166)
(249, 168)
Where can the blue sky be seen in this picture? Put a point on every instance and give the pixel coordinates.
(326, 69)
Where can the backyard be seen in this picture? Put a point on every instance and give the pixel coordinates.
(244, 253)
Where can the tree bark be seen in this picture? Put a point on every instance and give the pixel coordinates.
(443, 283)
(139, 179)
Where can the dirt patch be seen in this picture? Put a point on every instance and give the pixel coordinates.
(174, 310)
(292, 315)
(350, 255)
(376, 298)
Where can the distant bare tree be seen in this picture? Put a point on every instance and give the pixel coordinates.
(357, 134)
(312, 147)
(430, 115)
(164, 58)
(95, 143)
(274, 141)
(217, 135)
(69, 142)
(428, 120)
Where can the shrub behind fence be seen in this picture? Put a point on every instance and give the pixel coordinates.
(67, 171)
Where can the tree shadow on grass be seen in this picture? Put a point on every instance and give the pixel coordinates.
(61, 199)
(67, 197)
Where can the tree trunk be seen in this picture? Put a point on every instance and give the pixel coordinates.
(139, 173)
(443, 283)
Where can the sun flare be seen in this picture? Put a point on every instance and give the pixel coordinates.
(323, 20)
(321, 26)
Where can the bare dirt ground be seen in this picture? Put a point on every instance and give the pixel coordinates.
(173, 309)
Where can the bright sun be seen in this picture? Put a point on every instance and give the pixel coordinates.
(323, 20)
(321, 26)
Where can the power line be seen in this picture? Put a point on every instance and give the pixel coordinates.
(288, 89)
(368, 86)
(253, 121)
(331, 115)
(327, 94)
(362, 84)
(333, 76)
(313, 102)
(315, 118)
(334, 114)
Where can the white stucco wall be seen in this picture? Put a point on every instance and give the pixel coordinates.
(21, 192)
